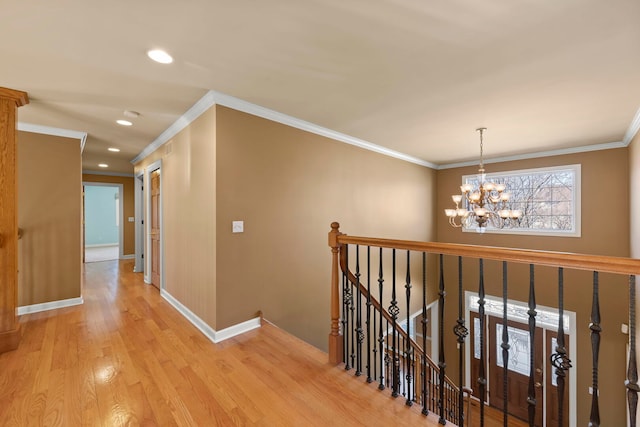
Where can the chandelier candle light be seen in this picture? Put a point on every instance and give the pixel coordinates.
(487, 203)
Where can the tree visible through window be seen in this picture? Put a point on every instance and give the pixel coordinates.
(549, 199)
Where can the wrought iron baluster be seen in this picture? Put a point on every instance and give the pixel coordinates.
(369, 379)
(531, 399)
(408, 349)
(594, 419)
(380, 333)
(559, 359)
(359, 335)
(387, 358)
(632, 369)
(505, 346)
(423, 373)
(346, 298)
(482, 380)
(461, 332)
(394, 311)
(352, 310)
(441, 360)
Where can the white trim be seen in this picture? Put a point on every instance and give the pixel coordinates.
(633, 129)
(139, 229)
(212, 98)
(275, 116)
(52, 305)
(560, 152)
(48, 130)
(208, 331)
(89, 172)
(206, 102)
(129, 256)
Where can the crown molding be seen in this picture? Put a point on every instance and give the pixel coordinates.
(560, 152)
(48, 130)
(203, 104)
(216, 98)
(89, 172)
(633, 129)
(266, 113)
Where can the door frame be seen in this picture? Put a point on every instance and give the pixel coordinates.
(120, 214)
(139, 228)
(155, 166)
(523, 308)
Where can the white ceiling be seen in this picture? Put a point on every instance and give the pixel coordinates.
(416, 76)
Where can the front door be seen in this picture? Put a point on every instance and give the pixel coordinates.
(518, 368)
(155, 228)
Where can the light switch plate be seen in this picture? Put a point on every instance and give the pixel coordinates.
(237, 227)
(131, 219)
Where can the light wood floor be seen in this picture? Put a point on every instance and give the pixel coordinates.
(126, 357)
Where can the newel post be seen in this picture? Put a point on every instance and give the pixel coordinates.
(335, 338)
(10, 100)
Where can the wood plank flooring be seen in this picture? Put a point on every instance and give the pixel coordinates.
(126, 358)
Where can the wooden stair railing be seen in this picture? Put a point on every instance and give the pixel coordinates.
(401, 363)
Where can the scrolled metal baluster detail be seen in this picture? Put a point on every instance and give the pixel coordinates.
(560, 360)
(505, 347)
(482, 380)
(346, 300)
(632, 369)
(408, 348)
(461, 331)
(441, 359)
(358, 303)
(383, 354)
(423, 373)
(394, 310)
(594, 419)
(531, 398)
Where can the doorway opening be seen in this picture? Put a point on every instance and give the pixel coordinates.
(103, 221)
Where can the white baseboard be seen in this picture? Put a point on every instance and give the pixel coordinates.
(212, 334)
(53, 305)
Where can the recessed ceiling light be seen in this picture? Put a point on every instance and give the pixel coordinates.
(124, 122)
(131, 113)
(115, 150)
(160, 56)
(103, 165)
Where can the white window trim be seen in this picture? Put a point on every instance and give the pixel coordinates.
(577, 203)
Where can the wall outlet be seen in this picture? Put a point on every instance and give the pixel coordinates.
(237, 227)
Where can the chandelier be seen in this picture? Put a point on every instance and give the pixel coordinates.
(483, 205)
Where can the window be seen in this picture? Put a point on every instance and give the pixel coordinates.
(549, 199)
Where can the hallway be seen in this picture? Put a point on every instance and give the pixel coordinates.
(126, 357)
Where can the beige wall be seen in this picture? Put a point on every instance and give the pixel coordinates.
(129, 243)
(605, 176)
(188, 193)
(49, 213)
(287, 186)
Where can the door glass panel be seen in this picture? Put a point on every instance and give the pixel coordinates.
(519, 350)
(554, 344)
(476, 338)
